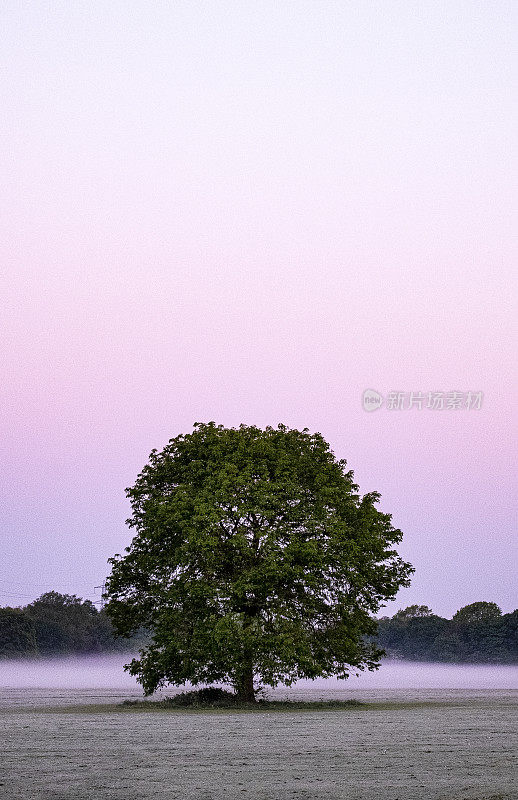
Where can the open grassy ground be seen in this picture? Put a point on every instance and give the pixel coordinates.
(399, 745)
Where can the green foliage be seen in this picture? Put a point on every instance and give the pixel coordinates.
(59, 624)
(510, 635)
(17, 634)
(479, 630)
(481, 612)
(424, 637)
(411, 636)
(478, 633)
(253, 555)
(413, 612)
(66, 624)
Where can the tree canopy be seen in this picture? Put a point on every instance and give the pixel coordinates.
(478, 633)
(421, 637)
(64, 623)
(481, 611)
(58, 624)
(17, 634)
(413, 612)
(254, 557)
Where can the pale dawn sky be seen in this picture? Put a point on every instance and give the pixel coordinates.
(252, 212)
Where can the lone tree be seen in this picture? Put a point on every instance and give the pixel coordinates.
(254, 559)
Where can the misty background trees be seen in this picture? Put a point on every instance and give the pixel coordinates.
(478, 634)
(59, 624)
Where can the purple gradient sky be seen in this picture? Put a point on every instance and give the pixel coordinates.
(250, 213)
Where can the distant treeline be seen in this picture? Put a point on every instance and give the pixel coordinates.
(477, 634)
(62, 624)
(59, 624)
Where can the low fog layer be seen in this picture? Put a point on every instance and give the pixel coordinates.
(106, 672)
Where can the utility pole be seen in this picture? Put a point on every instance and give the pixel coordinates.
(102, 588)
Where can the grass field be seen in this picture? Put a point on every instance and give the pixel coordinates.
(399, 745)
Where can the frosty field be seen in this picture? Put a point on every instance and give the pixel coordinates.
(402, 744)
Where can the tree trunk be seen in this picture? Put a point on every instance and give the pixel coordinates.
(245, 684)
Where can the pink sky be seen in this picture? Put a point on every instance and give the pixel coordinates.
(251, 213)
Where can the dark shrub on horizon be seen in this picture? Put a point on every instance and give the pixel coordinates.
(60, 624)
(478, 634)
(66, 624)
(17, 634)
